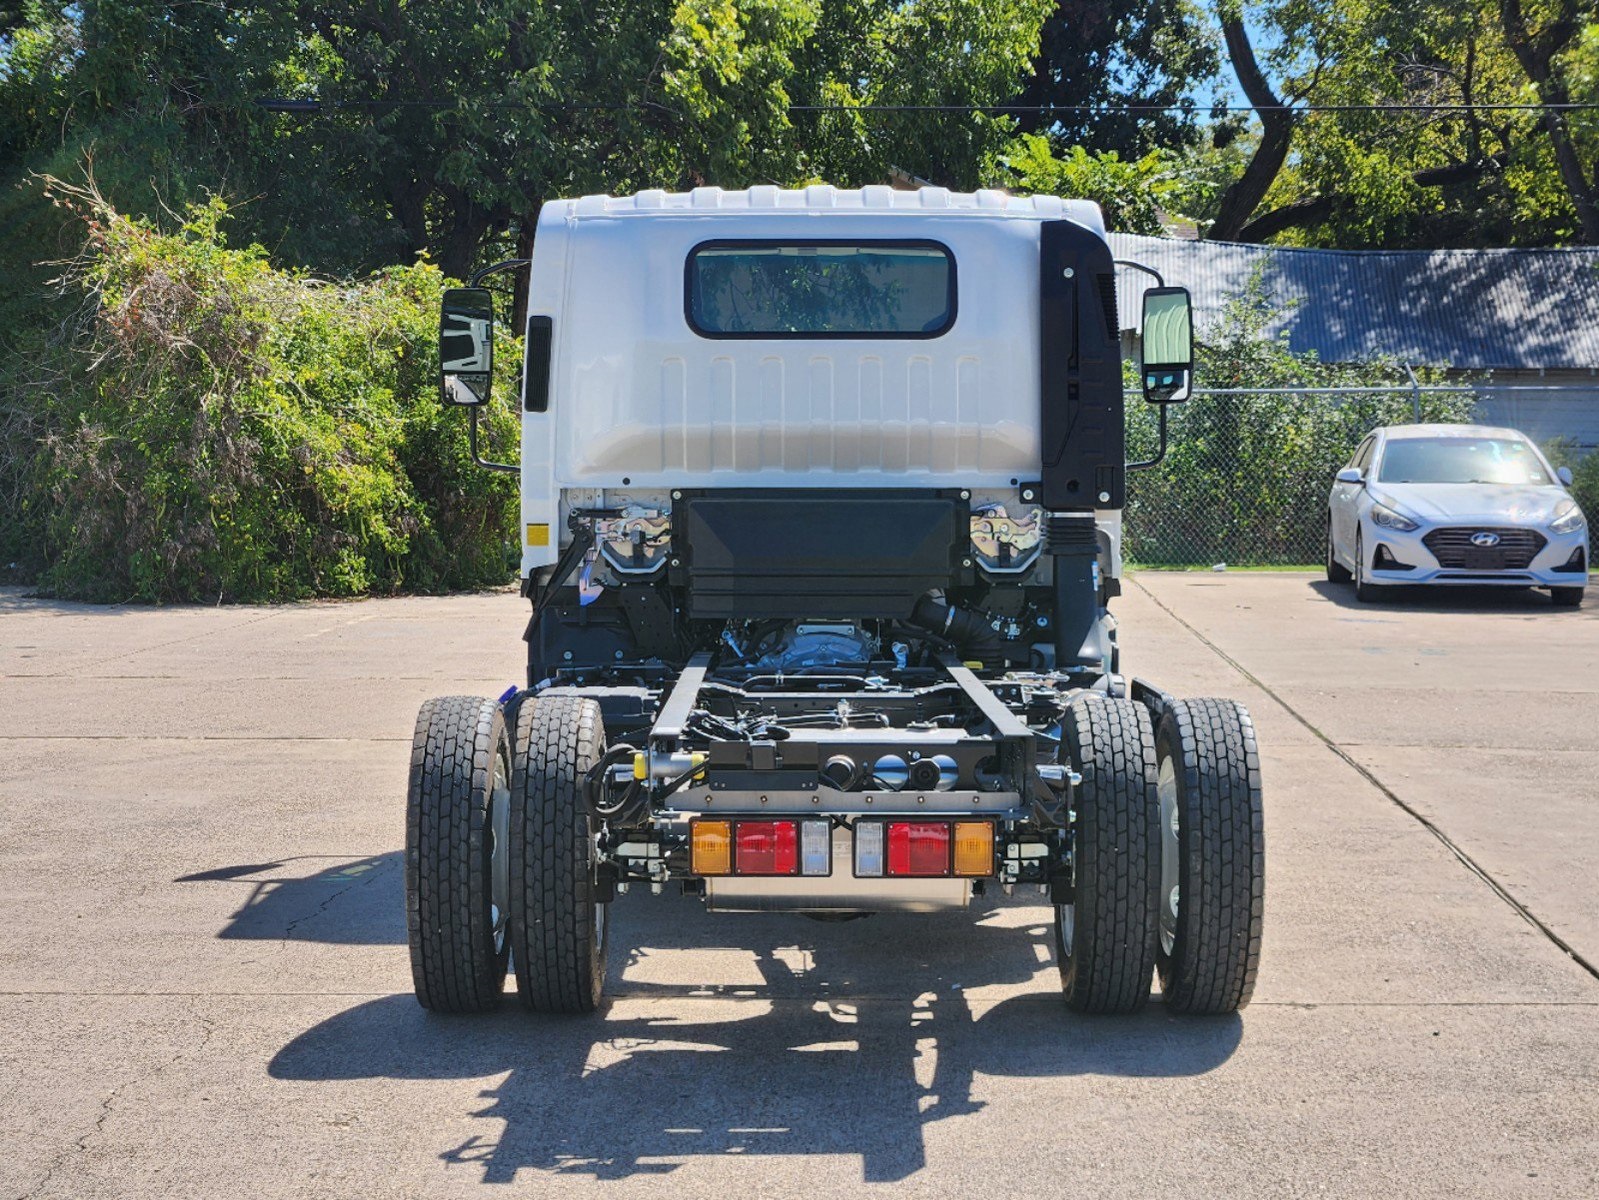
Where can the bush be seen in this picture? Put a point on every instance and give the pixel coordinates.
(207, 427)
(1246, 478)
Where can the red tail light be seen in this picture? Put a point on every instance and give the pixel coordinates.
(767, 848)
(918, 848)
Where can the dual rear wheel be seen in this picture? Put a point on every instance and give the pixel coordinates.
(500, 855)
(1166, 839)
(1167, 857)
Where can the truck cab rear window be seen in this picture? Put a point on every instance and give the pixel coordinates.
(804, 289)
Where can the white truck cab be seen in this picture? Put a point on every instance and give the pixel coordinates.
(821, 496)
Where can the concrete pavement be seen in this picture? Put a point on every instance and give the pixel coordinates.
(204, 985)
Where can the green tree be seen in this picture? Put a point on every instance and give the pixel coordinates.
(1444, 168)
(1109, 56)
(445, 125)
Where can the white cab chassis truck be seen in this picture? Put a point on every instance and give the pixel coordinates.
(821, 513)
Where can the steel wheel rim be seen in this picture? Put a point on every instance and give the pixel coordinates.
(499, 850)
(1170, 853)
(1066, 928)
(600, 910)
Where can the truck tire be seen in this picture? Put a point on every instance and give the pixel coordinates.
(558, 926)
(1213, 856)
(1105, 937)
(456, 808)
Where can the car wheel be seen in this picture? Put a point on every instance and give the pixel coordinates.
(1365, 592)
(1336, 571)
(1566, 597)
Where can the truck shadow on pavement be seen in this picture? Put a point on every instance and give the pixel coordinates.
(844, 1039)
(315, 898)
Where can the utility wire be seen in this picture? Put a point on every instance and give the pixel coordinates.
(314, 106)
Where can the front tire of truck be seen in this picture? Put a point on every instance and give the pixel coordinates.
(1105, 937)
(1213, 857)
(456, 805)
(558, 926)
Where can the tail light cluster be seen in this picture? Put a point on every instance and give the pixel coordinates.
(924, 848)
(883, 848)
(735, 847)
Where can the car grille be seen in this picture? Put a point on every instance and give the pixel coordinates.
(1515, 551)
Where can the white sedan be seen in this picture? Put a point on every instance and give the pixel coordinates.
(1455, 504)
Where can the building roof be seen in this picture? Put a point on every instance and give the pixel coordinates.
(1467, 309)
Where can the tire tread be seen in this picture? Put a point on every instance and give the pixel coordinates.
(454, 964)
(1117, 849)
(559, 964)
(1216, 954)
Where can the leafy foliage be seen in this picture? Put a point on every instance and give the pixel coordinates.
(1099, 56)
(214, 428)
(1446, 167)
(1129, 193)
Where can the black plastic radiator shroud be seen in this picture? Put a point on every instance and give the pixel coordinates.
(831, 554)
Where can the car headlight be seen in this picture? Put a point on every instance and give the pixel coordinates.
(1568, 518)
(1382, 515)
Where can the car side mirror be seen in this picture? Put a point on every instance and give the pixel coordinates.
(466, 346)
(1351, 475)
(1168, 345)
(1564, 475)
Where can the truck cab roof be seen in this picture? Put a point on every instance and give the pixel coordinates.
(769, 202)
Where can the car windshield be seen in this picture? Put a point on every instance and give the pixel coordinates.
(1461, 460)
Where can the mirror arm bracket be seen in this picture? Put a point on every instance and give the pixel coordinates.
(1160, 454)
(471, 436)
(509, 264)
(1160, 280)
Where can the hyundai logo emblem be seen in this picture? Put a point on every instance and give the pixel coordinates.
(1484, 539)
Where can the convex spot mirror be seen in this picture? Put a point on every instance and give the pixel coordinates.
(466, 345)
(1168, 345)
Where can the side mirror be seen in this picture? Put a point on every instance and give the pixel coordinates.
(1351, 475)
(1168, 345)
(1564, 475)
(466, 345)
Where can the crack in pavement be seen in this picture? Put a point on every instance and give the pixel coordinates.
(80, 1144)
(363, 881)
(1454, 848)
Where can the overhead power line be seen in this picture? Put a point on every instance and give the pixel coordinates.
(314, 106)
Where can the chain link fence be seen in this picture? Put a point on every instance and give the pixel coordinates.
(1246, 473)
